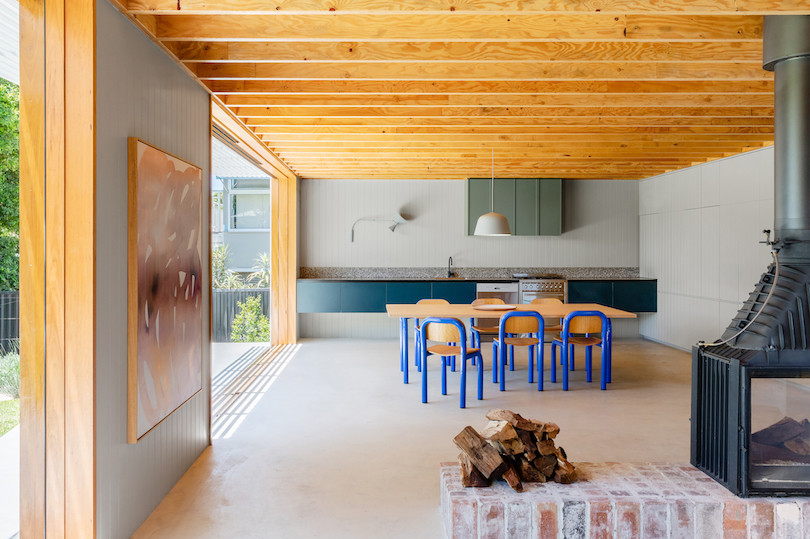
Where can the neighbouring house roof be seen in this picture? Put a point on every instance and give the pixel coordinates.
(227, 164)
(10, 40)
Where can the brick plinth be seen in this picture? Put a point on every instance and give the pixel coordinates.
(618, 500)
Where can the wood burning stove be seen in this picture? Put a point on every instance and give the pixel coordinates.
(751, 388)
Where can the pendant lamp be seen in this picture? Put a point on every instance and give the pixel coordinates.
(492, 224)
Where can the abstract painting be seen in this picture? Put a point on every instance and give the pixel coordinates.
(164, 337)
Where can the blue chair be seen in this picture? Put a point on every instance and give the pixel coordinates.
(579, 328)
(437, 301)
(448, 330)
(514, 323)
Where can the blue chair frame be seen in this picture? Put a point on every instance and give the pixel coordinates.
(566, 353)
(535, 350)
(465, 355)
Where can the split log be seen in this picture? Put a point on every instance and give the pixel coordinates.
(504, 437)
(511, 476)
(470, 476)
(482, 455)
(516, 420)
(546, 464)
(565, 472)
(529, 444)
(546, 447)
(781, 431)
(528, 472)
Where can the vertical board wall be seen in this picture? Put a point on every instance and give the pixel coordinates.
(141, 93)
(699, 236)
(600, 227)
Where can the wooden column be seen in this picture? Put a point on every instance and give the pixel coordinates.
(57, 261)
(285, 260)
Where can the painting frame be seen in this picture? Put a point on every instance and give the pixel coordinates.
(164, 267)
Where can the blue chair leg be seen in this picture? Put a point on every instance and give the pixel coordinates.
(444, 375)
(571, 357)
(463, 393)
(511, 358)
(588, 363)
(609, 345)
(480, 376)
(424, 382)
(502, 365)
(554, 362)
(603, 379)
(453, 360)
(531, 363)
(494, 362)
(403, 349)
(540, 367)
(564, 353)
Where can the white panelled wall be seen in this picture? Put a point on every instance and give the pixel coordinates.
(600, 229)
(600, 223)
(700, 230)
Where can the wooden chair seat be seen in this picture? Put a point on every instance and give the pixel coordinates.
(584, 341)
(521, 341)
(448, 350)
(486, 329)
(552, 329)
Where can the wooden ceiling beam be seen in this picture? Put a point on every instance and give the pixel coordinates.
(457, 51)
(516, 121)
(355, 87)
(501, 101)
(504, 137)
(458, 26)
(500, 71)
(503, 112)
(330, 7)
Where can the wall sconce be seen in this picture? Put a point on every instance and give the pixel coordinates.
(395, 222)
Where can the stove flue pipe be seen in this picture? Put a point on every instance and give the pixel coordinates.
(786, 52)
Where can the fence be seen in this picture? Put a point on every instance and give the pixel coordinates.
(9, 319)
(225, 307)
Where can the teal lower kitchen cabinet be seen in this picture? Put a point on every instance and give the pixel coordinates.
(639, 296)
(362, 297)
(454, 291)
(318, 296)
(407, 292)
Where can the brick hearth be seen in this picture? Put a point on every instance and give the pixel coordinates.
(618, 500)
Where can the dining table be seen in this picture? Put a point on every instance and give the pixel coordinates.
(406, 311)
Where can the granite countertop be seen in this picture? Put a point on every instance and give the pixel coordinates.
(488, 275)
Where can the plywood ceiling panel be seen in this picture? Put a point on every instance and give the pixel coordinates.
(428, 88)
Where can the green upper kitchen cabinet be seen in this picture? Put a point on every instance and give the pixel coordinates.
(532, 206)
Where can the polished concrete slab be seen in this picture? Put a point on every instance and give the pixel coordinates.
(339, 447)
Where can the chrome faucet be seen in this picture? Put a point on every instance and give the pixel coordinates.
(449, 263)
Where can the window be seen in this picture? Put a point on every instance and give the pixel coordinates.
(250, 211)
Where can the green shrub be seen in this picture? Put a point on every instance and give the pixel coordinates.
(10, 374)
(250, 325)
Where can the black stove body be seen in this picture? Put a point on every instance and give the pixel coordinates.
(751, 394)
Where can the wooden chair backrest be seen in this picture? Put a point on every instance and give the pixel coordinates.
(442, 333)
(546, 301)
(521, 324)
(585, 324)
(433, 302)
(487, 301)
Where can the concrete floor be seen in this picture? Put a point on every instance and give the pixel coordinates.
(339, 447)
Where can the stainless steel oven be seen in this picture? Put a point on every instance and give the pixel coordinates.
(531, 289)
(508, 292)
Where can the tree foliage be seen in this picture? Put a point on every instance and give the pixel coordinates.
(249, 324)
(9, 185)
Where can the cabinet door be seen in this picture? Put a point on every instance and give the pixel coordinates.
(505, 200)
(407, 292)
(636, 296)
(550, 192)
(454, 291)
(591, 292)
(362, 298)
(318, 296)
(478, 196)
(527, 212)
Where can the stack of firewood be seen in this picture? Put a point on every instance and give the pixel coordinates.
(513, 448)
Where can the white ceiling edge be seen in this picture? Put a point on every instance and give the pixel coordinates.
(10, 40)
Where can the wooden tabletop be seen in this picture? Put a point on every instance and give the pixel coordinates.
(465, 310)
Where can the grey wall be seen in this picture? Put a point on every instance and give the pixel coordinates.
(600, 224)
(141, 93)
(700, 232)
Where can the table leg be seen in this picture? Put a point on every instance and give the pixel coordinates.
(609, 354)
